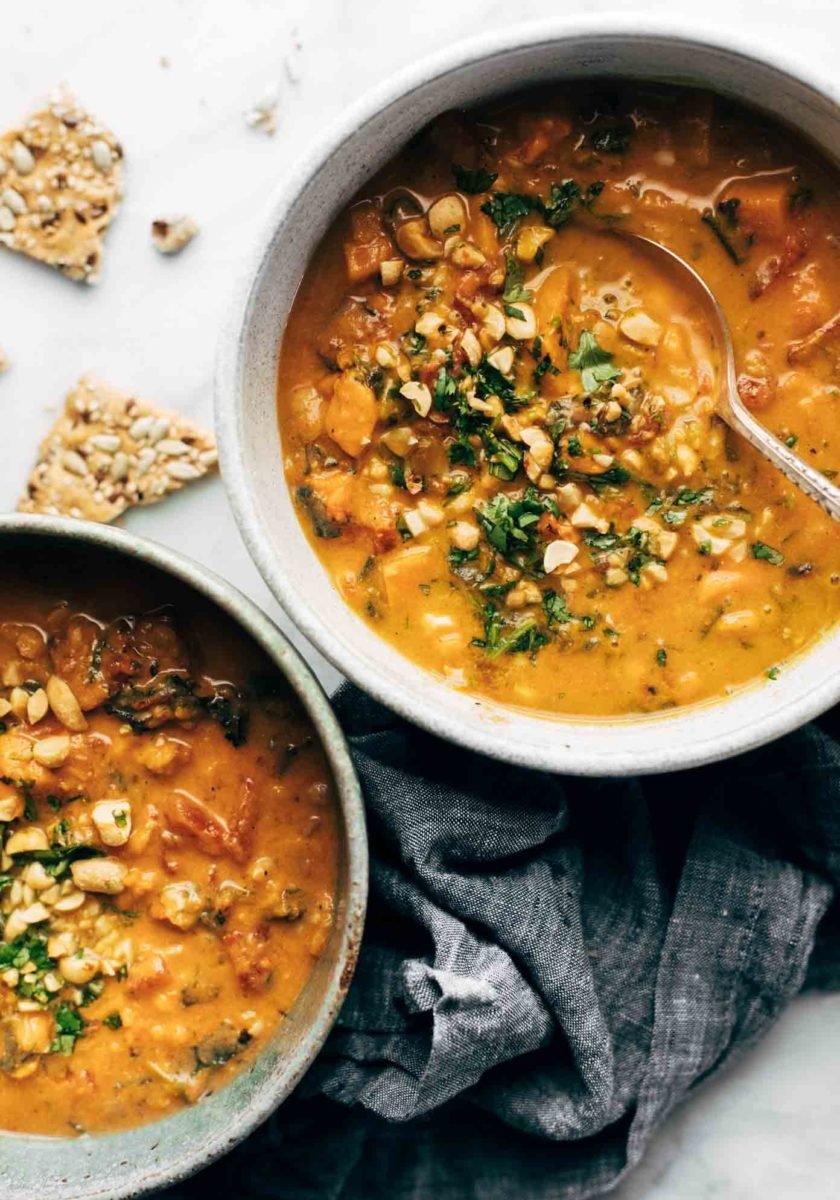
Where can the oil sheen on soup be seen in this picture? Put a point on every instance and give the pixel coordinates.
(168, 851)
(498, 420)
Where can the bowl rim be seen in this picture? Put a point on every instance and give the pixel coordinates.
(389, 690)
(248, 616)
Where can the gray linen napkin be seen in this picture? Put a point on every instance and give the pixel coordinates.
(550, 965)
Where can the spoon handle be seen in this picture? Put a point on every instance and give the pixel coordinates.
(806, 477)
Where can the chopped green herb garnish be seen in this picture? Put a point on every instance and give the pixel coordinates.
(556, 609)
(57, 860)
(69, 1028)
(773, 672)
(766, 553)
(563, 199)
(506, 208)
(113, 1021)
(594, 364)
(515, 291)
(473, 182)
(661, 657)
(510, 527)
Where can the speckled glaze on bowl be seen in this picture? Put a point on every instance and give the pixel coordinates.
(136, 1161)
(366, 137)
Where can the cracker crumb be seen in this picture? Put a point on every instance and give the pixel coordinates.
(60, 187)
(262, 115)
(171, 234)
(109, 451)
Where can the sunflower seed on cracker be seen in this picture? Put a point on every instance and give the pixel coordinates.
(101, 455)
(171, 234)
(61, 187)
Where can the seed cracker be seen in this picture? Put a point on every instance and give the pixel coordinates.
(110, 451)
(60, 187)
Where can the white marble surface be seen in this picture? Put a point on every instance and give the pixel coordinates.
(767, 1129)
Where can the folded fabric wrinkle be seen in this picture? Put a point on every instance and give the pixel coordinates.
(551, 965)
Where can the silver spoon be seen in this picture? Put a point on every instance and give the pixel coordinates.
(731, 408)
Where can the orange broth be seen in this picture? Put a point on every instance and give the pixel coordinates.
(169, 850)
(498, 417)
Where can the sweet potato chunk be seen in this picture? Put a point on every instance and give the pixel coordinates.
(249, 954)
(764, 205)
(369, 245)
(335, 491)
(147, 975)
(404, 570)
(351, 414)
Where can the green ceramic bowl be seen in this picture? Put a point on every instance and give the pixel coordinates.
(137, 1161)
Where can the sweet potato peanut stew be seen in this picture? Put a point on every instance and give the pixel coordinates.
(168, 857)
(498, 417)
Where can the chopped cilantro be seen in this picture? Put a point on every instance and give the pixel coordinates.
(574, 448)
(461, 452)
(515, 291)
(556, 609)
(504, 457)
(594, 364)
(56, 861)
(398, 474)
(562, 202)
(509, 525)
(458, 557)
(791, 440)
(458, 484)
(26, 948)
(473, 182)
(69, 1028)
(415, 343)
(506, 208)
(773, 672)
(113, 1021)
(545, 365)
(615, 476)
(514, 637)
(90, 991)
(661, 657)
(446, 388)
(635, 543)
(766, 553)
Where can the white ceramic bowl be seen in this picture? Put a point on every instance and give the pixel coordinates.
(366, 137)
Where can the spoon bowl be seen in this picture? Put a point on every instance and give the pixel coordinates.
(729, 405)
